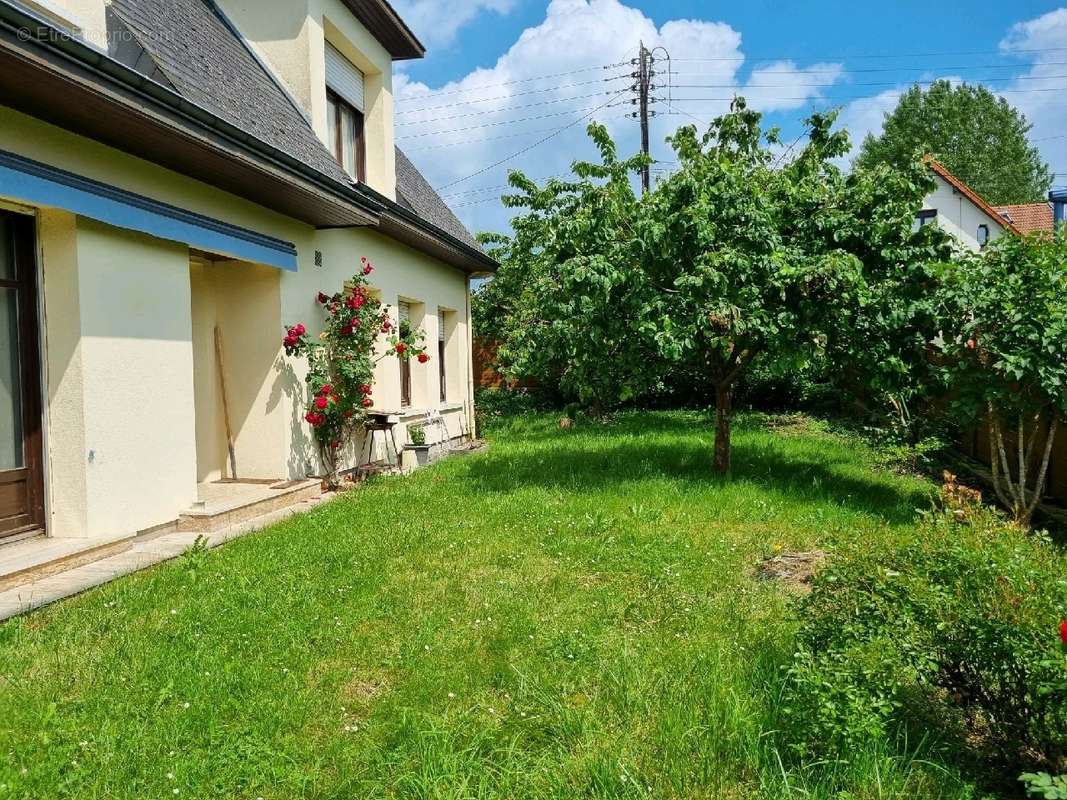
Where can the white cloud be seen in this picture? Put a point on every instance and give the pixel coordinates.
(1038, 92)
(584, 47)
(436, 22)
(1042, 41)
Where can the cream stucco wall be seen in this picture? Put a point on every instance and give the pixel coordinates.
(133, 418)
(120, 420)
(400, 273)
(958, 216)
(291, 35)
(243, 301)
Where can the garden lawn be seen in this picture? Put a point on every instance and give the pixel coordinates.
(570, 614)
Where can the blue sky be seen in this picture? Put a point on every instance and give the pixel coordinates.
(501, 75)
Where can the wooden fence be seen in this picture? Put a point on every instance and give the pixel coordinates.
(976, 445)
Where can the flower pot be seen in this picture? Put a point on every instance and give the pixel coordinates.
(422, 453)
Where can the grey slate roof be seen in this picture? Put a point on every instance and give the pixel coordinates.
(414, 192)
(192, 44)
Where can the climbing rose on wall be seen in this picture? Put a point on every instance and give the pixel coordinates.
(341, 361)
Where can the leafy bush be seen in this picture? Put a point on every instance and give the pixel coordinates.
(953, 634)
(494, 404)
(1045, 786)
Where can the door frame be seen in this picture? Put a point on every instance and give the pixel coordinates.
(25, 284)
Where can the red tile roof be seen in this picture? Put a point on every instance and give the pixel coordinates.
(1029, 217)
(971, 194)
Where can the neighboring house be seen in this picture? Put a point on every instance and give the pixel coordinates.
(962, 212)
(172, 166)
(1058, 198)
(1028, 217)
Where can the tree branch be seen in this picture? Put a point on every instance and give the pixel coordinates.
(1045, 459)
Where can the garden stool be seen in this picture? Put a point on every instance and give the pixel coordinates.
(384, 425)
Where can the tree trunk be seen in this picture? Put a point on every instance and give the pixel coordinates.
(723, 412)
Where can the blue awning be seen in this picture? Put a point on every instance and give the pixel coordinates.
(40, 184)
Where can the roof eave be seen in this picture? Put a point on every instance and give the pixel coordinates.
(387, 27)
(971, 194)
(95, 96)
(396, 219)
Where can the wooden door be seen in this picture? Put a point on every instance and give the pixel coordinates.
(21, 457)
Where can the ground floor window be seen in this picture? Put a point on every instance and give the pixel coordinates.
(442, 352)
(404, 320)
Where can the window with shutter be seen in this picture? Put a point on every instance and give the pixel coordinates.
(344, 107)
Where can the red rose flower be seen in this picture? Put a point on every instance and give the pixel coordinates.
(354, 323)
(300, 330)
(363, 259)
(323, 298)
(401, 348)
(367, 270)
(321, 403)
(365, 388)
(325, 390)
(423, 358)
(1063, 631)
(367, 402)
(290, 341)
(334, 445)
(346, 330)
(387, 326)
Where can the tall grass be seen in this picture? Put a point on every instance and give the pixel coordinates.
(571, 614)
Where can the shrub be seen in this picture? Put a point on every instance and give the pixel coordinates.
(494, 404)
(954, 634)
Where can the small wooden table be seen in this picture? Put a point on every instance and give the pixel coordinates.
(383, 422)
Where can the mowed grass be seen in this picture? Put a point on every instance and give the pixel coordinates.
(570, 614)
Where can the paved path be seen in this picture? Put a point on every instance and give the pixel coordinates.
(139, 555)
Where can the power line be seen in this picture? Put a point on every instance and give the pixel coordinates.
(742, 93)
(492, 124)
(868, 83)
(529, 148)
(478, 141)
(518, 81)
(505, 110)
(873, 55)
(514, 94)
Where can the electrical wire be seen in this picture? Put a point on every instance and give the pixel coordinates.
(516, 81)
(509, 96)
(504, 110)
(529, 148)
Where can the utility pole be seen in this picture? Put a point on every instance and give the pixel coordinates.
(644, 85)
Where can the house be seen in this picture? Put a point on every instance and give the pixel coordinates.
(961, 211)
(173, 167)
(1028, 217)
(1058, 198)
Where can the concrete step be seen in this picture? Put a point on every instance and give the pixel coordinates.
(227, 503)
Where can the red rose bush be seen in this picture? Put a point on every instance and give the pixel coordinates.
(341, 361)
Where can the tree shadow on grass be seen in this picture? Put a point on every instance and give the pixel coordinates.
(612, 456)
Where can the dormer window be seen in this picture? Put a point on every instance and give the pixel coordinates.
(344, 108)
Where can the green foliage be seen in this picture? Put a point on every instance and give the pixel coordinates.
(1045, 786)
(1008, 311)
(417, 435)
(954, 634)
(1004, 352)
(504, 403)
(730, 260)
(980, 137)
(568, 304)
